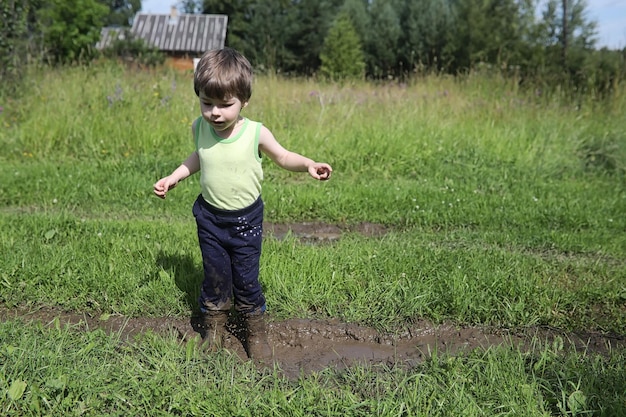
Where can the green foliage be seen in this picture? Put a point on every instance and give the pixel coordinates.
(238, 12)
(427, 35)
(42, 31)
(269, 31)
(314, 18)
(357, 11)
(605, 71)
(71, 28)
(381, 42)
(342, 56)
(487, 32)
(190, 6)
(121, 12)
(16, 41)
(606, 154)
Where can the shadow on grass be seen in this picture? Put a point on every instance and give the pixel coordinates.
(187, 276)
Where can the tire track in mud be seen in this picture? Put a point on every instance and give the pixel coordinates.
(303, 345)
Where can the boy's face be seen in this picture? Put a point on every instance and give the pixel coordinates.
(223, 113)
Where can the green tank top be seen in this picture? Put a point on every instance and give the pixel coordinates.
(230, 169)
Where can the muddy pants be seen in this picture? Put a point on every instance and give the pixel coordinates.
(230, 242)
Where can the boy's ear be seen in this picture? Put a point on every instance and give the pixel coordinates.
(244, 104)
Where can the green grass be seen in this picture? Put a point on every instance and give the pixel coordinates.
(503, 208)
(78, 373)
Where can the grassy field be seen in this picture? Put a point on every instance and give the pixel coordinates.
(502, 208)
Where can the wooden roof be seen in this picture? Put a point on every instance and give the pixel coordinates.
(191, 33)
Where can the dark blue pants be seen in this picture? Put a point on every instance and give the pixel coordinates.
(230, 242)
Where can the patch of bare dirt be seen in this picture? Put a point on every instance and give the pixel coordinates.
(303, 346)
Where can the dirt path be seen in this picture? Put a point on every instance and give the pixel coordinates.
(311, 345)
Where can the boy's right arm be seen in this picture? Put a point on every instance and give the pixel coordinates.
(186, 169)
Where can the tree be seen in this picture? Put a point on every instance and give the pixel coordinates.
(313, 19)
(260, 29)
(564, 24)
(191, 6)
(271, 24)
(356, 10)
(71, 28)
(426, 29)
(490, 32)
(341, 55)
(18, 39)
(566, 38)
(239, 14)
(121, 12)
(383, 38)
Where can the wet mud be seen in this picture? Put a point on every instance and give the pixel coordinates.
(302, 346)
(318, 232)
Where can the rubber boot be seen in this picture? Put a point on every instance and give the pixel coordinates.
(213, 330)
(257, 345)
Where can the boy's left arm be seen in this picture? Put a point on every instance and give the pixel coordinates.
(290, 160)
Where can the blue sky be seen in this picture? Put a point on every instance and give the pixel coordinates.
(610, 16)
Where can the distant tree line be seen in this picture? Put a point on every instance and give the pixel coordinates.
(399, 38)
(372, 39)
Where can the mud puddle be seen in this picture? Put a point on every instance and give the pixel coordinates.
(302, 345)
(318, 232)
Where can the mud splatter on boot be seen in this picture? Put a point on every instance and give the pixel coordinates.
(257, 344)
(213, 330)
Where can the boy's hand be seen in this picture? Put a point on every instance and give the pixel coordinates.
(320, 171)
(162, 186)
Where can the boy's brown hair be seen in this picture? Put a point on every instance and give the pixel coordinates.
(222, 74)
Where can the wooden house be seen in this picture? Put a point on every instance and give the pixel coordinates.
(182, 37)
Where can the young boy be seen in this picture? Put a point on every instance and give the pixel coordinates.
(229, 211)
